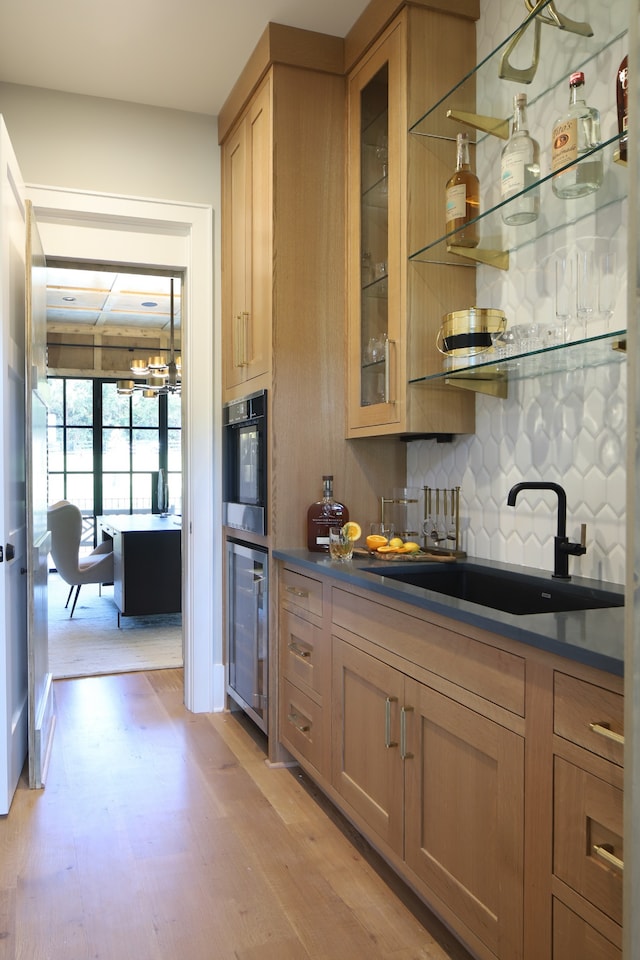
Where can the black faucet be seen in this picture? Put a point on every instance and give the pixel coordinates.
(562, 546)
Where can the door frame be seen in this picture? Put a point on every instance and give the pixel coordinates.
(102, 228)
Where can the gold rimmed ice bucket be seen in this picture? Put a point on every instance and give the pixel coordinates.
(465, 333)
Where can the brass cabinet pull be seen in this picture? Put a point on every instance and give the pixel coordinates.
(388, 742)
(237, 358)
(603, 730)
(245, 338)
(403, 733)
(300, 725)
(605, 852)
(298, 650)
(298, 593)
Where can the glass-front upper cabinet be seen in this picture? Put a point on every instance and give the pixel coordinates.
(394, 186)
(374, 229)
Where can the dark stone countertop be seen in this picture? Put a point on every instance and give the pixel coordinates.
(592, 637)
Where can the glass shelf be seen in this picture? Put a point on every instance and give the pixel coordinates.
(497, 239)
(578, 51)
(489, 375)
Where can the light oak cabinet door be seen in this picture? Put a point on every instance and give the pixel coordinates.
(367, 769)
(394, 308)
(439, 784)
(246, 173)
(464, 804)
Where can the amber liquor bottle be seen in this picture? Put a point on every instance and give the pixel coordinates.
(462, 198)
(323, 514)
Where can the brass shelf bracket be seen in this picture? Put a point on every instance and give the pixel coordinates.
(493, 258)
(490, 125)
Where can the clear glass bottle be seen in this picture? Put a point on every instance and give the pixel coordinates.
(622, 81)
(520, 168)
(575, 133)
(323, 514)
(462, 198)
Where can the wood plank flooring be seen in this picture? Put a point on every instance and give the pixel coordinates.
(163, 834)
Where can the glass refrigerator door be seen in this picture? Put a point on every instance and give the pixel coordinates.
(247, 628)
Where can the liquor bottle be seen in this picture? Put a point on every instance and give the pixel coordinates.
(520, 168)
(323, 514)
(621, 100)
(575, 134)
(462, 198)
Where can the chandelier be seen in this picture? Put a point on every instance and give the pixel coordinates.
(162, 375)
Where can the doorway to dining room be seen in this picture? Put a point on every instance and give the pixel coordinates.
(109, 434)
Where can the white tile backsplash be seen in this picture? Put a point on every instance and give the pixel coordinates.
(566, 427)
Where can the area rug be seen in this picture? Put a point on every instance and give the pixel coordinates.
(90, 643)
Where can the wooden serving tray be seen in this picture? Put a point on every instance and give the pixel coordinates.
(419, 557)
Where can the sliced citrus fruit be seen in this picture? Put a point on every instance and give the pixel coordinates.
(387, 548)
(351, 530)
(376, 540)
(409, 547)
(396, 542)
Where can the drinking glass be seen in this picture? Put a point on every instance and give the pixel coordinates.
(608, 283)
(565, 292)
(340, 546)
(385, 529)
(586, 288)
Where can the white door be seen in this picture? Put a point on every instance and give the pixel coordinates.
(41, 699)
(13, 540)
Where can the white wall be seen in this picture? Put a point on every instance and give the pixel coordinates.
(109, 146)
(120, 182)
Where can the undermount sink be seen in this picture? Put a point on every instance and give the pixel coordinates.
(511, 592)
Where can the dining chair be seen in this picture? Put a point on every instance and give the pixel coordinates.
(64, 520)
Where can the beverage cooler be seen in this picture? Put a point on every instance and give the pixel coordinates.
(248, 629)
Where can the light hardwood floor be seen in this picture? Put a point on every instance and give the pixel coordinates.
(163, 834)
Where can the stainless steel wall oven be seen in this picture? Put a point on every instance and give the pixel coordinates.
(245, 463)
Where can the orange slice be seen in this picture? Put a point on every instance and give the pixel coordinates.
(351, 530)
(376, 540)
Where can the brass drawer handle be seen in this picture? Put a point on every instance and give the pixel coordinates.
(605, 852)
(298, 651)
(300, 725)
(603, 730)
(388, 742)
(298, 593)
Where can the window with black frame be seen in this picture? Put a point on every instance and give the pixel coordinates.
(104, 450)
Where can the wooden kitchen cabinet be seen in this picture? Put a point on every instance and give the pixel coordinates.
(304, 669)
(441, 786)
(395, 308)
(488, 773)
(246, 237)
(464, 815)
(588, 849)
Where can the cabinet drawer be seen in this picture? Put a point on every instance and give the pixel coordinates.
(488, 672)
(587, 832)
(589, 716)
(301, 725)
(303, 660)
(574, 937)
(301, 591)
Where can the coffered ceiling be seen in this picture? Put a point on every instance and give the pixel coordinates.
(94, 300)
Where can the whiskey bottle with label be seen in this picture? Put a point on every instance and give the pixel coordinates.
(575, 134)
(462, 198)
(323, 514)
